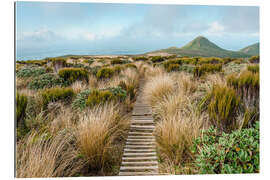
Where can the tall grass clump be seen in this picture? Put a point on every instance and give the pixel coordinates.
(247, 85)
(253, 68)
(58, 63)
(222, 104)
(96, 131)
(72, 74)
(158, 87)
(198, 71)
(39, 156)
(156, 59)
(21, 104)
(140, 58)
(117, 61)
(254, 59)
(56, 94)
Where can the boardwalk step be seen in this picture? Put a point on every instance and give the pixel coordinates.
(142, 127)
(139, 150)
(122, 168)
(140, 133)
(140, 137)
(137, 173)
(140, 146)
(137, 154)
(140, 140)
(139, 158)
(139, 163)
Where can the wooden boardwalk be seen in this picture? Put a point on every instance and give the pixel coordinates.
(139, 157)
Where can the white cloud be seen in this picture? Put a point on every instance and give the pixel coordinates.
(40, 35)
(215, 28)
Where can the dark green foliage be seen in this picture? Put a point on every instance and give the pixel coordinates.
(119, 93)
(186, 68)
(254, 59)
(140, 58)
(222, 104)
(253, 68)
(130, 90)
(56, 94)
(237, 152)
(94, 70)
(105, 73)
(173, 67)
(46, 81)
(198, 71)
(80, 100)
(117, 61)
(30, 72)
(227, 60)
(117, 69)
(34, 62)
(21, 103)
(211, 60)
(88, 61)
(99, 97)
(56, 61)
(75, 65)
(156, 59)
(167, 63)
(72, 74)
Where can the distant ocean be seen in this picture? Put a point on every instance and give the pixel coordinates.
(37, 55)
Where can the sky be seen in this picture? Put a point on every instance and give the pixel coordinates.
(104, 27)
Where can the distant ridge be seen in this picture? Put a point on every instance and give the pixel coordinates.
(253, 49)
(201, 46)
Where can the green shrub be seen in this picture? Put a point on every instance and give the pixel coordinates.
(140, 58)
(118, 92)
(21, 104)
(156, 59)
(117, 69)
(254, 59)
(210, 60)
(99, 97)
(34, 62)
(56, 94)
(167, 63)
(55, 61)
(227, 60)
(73, 74)
(186, 68)
(75, 65)
(222, 104)
(253, 68)
(31, 72)
(46, 81)
(198, 71)
(173, 67)
(80, 100)
(130, 89)
(105, 73)
(88, 61)
(117, 61)
(237, 152)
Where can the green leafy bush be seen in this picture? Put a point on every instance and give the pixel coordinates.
(186, 68)
(72, 74)
(117, 61)
(80, 100)
(156, 59)
(173, 67)
(34, 62)
(167, 63)
(56, 94)
(99, 97)
(31, 72)
(119, 93)
(105, 73)
(56, 61)
(88, 61)
(198, 71)
(46, 81)
(222, 104)
(254, 59)
(140, 58)
(21, 104)
(237, 152)
(117, 69)
(130, 89)
(253, 68)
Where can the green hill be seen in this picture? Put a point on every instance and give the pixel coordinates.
(201, 46)
(253, 49)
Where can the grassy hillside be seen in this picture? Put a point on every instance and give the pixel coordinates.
(201, 46)
(253, 49)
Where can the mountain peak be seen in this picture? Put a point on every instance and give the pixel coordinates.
(201, 43)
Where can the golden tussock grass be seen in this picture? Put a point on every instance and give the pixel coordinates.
(157, 87)
(39, 156)
(78, 86)
(97, 129)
